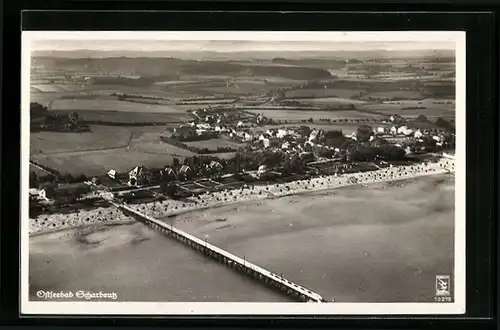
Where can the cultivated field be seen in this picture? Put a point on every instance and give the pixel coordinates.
(37, 170)
(105, 147)
(110, 105)
(101, 137)
(214, 144)
(130, 117)
(333, 101)
(314, 114)
(90, 87)
(100, 162)
(322, 92)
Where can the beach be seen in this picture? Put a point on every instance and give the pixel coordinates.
(345, 244)
(54, 222)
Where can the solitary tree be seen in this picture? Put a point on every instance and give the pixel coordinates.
(364, 133)
(33, 180)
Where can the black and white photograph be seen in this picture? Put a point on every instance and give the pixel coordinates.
(238, 172)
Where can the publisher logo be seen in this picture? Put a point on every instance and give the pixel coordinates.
(443, 285)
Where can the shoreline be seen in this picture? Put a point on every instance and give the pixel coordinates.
(46, 224)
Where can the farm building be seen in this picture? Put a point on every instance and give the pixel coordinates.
(140, 176)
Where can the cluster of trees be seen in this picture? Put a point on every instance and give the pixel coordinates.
(122, 97)
(55, 121)
(141, 81)
(36, 180)
(37, 110)
(191, 136)
(445, 124)
(204, 151)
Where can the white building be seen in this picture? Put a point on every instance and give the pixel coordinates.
(313, 135)
(394, 130)
(282, 133)
(418, 134)
(402, 130)
(112, 174)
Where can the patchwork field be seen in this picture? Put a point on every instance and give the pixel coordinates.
(328, 101)
(100, 162)
(214, 143)
(130, 117)
(100, 137)
(323, 92)
(315, 114)
(104, 147)
(110, 105)
(408, 95)
(150, 143)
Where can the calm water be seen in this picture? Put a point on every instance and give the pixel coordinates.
(377, 244)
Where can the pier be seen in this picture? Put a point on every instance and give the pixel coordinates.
(278, 282)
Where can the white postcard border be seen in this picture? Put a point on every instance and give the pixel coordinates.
(173, 308)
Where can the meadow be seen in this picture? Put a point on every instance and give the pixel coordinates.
(314, 114)
(214, 144)
(100, 137)
(172, 86)
(105, 147)
(112, 105)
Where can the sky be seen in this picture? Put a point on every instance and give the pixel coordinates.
(227, 46)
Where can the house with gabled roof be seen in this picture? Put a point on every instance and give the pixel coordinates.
(140, 176)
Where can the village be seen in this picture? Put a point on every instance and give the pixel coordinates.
(268, 154)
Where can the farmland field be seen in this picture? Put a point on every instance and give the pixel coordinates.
(304, 114)
(320, 92)
(109, 105)
(214, 143)
(103, 147)
(150, 143)
(408, 95)
(328, 101)
(100, 162)
(129, 117)
(101, 137)
(37, 170)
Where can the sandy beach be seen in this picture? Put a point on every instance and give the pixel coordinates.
(402, 237)
(344, 243)
(54, 222)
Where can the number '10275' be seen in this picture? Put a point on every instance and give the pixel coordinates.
(442, 299)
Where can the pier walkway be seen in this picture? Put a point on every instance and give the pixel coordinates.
(264, 276)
